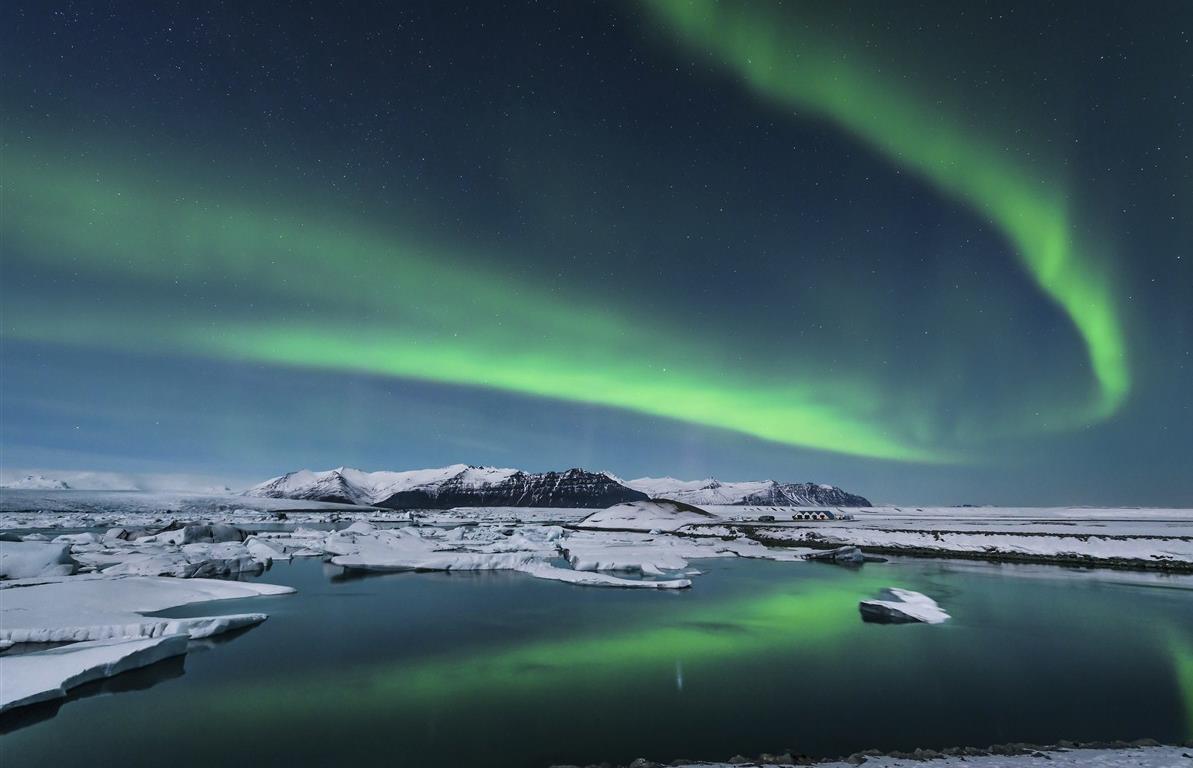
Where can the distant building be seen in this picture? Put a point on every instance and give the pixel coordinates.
(814, 514)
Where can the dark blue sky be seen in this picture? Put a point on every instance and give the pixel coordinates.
(797, 242)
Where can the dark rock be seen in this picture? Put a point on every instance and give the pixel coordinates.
(215, 533)
(575, 488)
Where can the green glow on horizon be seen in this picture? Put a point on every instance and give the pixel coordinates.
(346, 298)
(802, 69)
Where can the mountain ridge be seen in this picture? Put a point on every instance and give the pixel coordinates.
(464, 485)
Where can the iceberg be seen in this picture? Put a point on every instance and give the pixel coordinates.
(24, 559)
(902, 606)
(647, 516)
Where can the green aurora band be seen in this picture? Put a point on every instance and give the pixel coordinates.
(238, 279)
(356, 300)
(797, 68)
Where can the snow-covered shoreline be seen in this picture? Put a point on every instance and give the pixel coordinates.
(1119, 755)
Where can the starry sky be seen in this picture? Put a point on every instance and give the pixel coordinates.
(931, 252)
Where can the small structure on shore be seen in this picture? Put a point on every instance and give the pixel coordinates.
(813, 514)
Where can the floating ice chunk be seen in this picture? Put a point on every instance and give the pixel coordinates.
(33, 677)
(79, 608)
(634, 553)
(264, 551)
(399, 560)
(24, 559)
(590, 579)
(902, 606)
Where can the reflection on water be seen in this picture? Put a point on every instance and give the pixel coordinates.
(503, 669)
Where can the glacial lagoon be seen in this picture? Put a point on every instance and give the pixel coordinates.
(501, 669)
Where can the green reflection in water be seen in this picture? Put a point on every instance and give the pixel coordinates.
(1182, 659)
(807, 615)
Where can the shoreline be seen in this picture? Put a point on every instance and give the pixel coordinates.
(919, 755)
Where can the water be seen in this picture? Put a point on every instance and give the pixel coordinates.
(502, 669)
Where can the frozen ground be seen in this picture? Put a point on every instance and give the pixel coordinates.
(1122, 537)
(1125, 537)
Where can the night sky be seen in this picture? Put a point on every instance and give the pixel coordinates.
(931, 252)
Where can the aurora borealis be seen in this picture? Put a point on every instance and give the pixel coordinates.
(929, 254)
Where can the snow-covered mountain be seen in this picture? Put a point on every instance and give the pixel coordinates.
(459, 485)
(37, 483)
(765, 493)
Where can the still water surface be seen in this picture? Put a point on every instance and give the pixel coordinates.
(506, 670)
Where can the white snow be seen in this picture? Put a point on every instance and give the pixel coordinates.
(903, 604)
(646, 516)
(23, 559)
(711, 491)
(1071, 544)
(707, 491)
(34, 677)
(654, 560)
(548, 571)
(660, 553)
(78, 608)
(1133, 757)
(373, 487)
(165, 554)
(37, 483)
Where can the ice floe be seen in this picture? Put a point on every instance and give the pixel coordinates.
(80, 608)
(35, 677)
